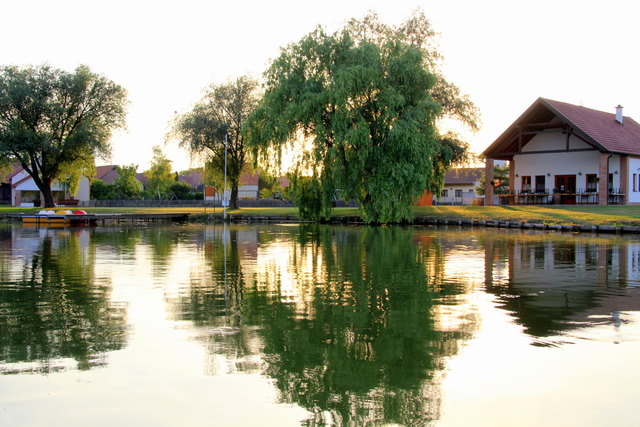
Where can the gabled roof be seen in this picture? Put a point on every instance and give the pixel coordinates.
(193, 178)
(249, 179)
(462, 176)
(597, 128)
(107, 173)
(142, 179)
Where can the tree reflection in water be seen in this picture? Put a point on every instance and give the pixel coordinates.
(346, 320)
(51, 307)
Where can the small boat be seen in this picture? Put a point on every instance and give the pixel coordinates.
(64, 217)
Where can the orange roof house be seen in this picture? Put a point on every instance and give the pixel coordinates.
(560, 153)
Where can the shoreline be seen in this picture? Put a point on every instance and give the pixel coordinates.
(423, 220)
(611, 220)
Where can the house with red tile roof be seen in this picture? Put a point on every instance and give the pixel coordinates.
(5, 182)
(25, 192)
(560, 153)
(460, 186)
(107, 174)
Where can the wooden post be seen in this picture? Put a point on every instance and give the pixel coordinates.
(488, 178)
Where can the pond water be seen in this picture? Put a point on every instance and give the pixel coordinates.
(315, 325)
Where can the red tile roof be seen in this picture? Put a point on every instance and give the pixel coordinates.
(142, 179)
(598, 128)
(107, 173)
(601, 127)
(249, 179)
(460, 176)
(193, 178)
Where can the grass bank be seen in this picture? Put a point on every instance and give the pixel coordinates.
(565, 215)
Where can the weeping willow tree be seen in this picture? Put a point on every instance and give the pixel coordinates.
(368, 98)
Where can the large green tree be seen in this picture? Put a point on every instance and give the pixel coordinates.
(223, 110)
(368, 98)
(160, 174)
(54, 122)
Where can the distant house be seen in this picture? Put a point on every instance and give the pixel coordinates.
(460, 186)
(195, 179)
(560, 153)
(109, 173)
(247, 188)
(5, 183)
(25, 192)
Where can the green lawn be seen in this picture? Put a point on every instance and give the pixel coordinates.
(587, 215)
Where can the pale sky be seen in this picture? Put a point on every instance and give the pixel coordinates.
(503, 54)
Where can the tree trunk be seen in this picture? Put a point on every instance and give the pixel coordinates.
(47, 194)
(233, 203)
(48, 197)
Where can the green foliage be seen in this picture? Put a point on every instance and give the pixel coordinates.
(55, 122)
(101, 190)
(269, 186)
(368, 98)
(126, 186)
(500, 177)
(159, 174)
(313, 200)
(223, 110)
(181, 190)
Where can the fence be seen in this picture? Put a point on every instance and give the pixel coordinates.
(556, 197)
(258, 203)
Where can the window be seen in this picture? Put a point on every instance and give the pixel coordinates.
(592, 183)
(635, 186)
(610, 183)
(458, 193)
(526, 184)
(445, 193)
(540, 184)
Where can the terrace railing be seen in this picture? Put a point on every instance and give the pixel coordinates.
(556, 196)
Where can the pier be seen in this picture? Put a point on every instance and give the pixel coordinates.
(98, 219)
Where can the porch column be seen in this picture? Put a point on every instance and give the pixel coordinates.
(512, 176)
(603, 176)
(488, 177)
(624, 178)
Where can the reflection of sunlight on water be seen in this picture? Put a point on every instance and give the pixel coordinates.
(464, 265)
(290, 271)
(512, 329)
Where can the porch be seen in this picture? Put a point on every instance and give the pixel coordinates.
(557, 197)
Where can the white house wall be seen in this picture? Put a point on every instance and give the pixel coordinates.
(553, 141)
(578, 163)
(468, 194)
(84, 190)
(634, 168)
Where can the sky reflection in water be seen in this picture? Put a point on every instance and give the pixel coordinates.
(288, 325)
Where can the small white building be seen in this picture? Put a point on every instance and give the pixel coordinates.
(460, 186)
(25, 192)
(560, 153)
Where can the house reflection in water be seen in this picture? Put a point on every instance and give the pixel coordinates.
(554, 284)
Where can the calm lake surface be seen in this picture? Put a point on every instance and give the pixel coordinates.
(190, 325)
